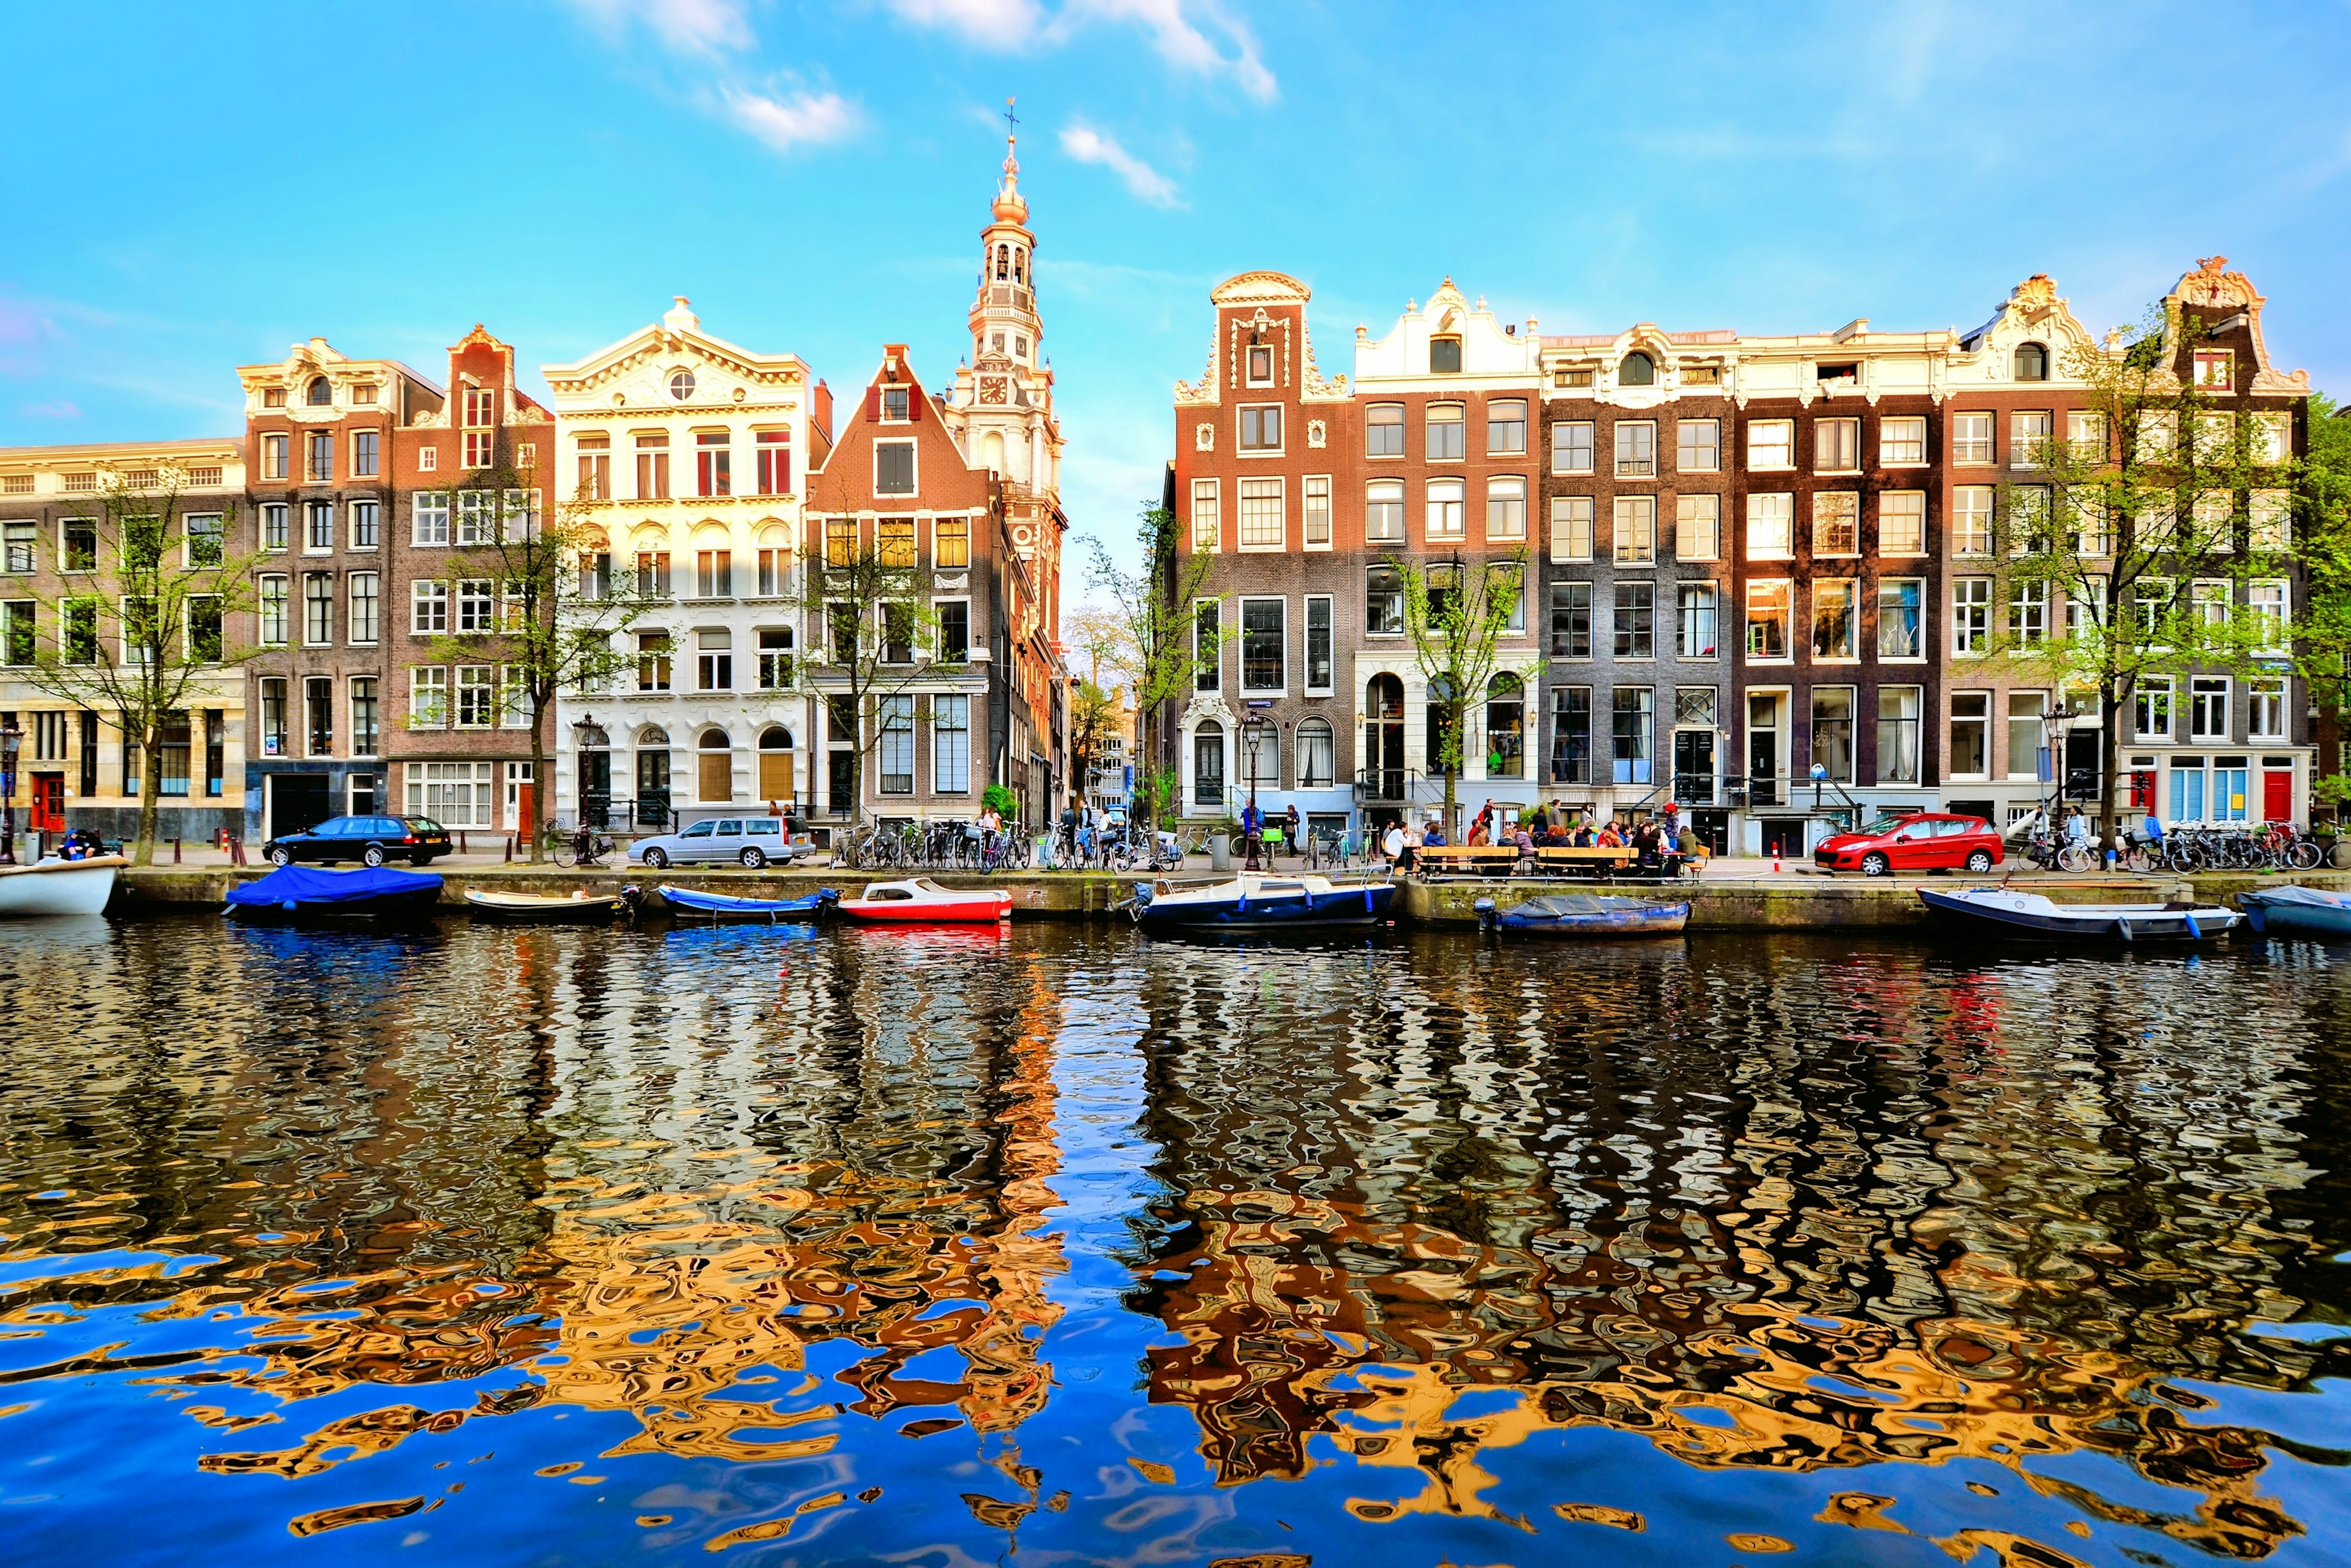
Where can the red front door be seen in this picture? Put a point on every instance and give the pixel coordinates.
(2277, 797)
(48, 803)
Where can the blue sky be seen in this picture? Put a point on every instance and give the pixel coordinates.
(814, 177)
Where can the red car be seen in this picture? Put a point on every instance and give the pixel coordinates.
(1930, 840)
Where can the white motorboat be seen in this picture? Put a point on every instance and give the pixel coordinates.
(1996, 912)
(59, 886)
(1251, 901)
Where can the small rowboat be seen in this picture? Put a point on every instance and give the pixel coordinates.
(1995, 912)
(1585, 914)
(578, 908)
(727, 906)
(1248, 901)
(303, 895)
(59, 887)
(919, 899)
(2298, 912)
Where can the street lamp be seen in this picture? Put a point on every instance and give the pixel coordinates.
(11, 738)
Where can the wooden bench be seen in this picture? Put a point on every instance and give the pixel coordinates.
(1465, 860)
(1608, 861)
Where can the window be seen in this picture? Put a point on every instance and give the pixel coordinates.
(428, 698)
(1570, 735)
(951, 543)
(1971, 519)
(1505, 507)
(1693, 631)
(1383, 430)
(1902, 441)
(270, 602)
(652, 466)
(1770, 523)
(317, 609)
(1634, 719)
(1262, 524)
(1207, 654)
(1833, 617)
(476, 605)
(1637, 448)
(1970, 616)
(429, 518)
(714, 662)
(1836, 446)
(894, 544)
(2265, 708)
(894, 468)
(367, 723)
(1767, 619)
(1319, 666)
(2158, 432)
(428, 458)
(1317, 767)
(1261, 428)
(1447, 506)
(363, 612)
(453, 794)
(595, 458)
(951, 744)
(19, 634)
(1772, 444)
(2032, 363)
(1697, 528)
(1833, 732)
(897, 633)
(1383, 511)
(80, 545)
(2151, 707)
(1571, 620)
(1208, 532)
(714, 464)
(273, 456)
(2025, 712)
(2028, 438)
(1901, 522)
(1697, 445)
(273, 720)
(78, 636)
(476, 697)
(2272, 436)
(1382, 600)
(2270, 527)
(1633, 624)
(2085, 610)
(1897, 734)
(2028, 613)
(318, 527)
(1571, 527)
(1635, 541)
(363, 454)
(1506, 428)
(320, 449)
(652, 660)
(652, 573)
(1260, 365)
(1970, 753)
(2207, 707)
(1570, 448)
(204, 628)
(2216, 369)
(1971, 438)
(1505, 727)
(1901, 610)
(428, 607)
(1444, 356)
(775, 658)
(1262, 639)
(2085, 436)
(1445, 432)
(2267, 601)
(1836, 523)
(1637, 370)
(896, 405)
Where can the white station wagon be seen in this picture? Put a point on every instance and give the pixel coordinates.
(747, 842)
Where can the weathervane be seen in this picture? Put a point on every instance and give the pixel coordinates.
(1009, 122)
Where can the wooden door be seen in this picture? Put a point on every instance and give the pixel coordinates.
(48, 803)
(2277, 797)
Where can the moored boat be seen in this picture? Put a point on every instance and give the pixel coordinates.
(920, 900)
(1996, 912)
(1585, 914)
(59, 886)
(1253, 901)
(301, 895)
(578, 908)
(727, 906)
(2298, 912)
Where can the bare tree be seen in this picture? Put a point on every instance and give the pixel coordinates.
(1153, 607)
(1454, 615)
(559, 606)
(880, 637)
(137, 610)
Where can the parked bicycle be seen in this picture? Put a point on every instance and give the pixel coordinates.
(578, 847)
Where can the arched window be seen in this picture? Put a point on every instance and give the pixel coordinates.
(2032, 363)
(1505, 727)
(1315, 755)
(1020, 265)
(595, 765)
(714, 766)
(775, 562)
(1003, 262)
(320, 394)
(653, 777)
(1208, 764)
(1637, 370)
(777, 778)
(1260, 757)
(652, 734)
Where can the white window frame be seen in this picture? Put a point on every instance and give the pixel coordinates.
(373, 623)
(1683, 447)
(1787, 596)
(1697, 526)
(1633, 531)
(1314, 501)
(1281, 426)
(428, 698)
(1828, 505)
(1973, 438)
(1898, 446)
(1633, 467)
(1904, 504)
(1305, 657)
(1922, 640)
(428, 607)
(1850, 427)
(1241, 643)
(1561, 446)
(1506, 491)
(1571, 527)
(1390, 491)
(1970, 503)
(1445, 527)
(1207, 509)
(2265, 708)
(1241, 523)
(1771, 514)
(1766, 437)
(2269, 600)
(428, 516)
(1970, 617)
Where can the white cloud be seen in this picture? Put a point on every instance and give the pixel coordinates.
(991, 24)
(684, 26)
(1184, 45)
(792, 121)
(1087, 146)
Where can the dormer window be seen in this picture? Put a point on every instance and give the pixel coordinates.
(1637, 370)
(2031, 362)
(322, 393)
(273, 397)
(681, 385)
(1260, 365)
(1571, 377)
(1701, 375)
(894, 402)
(1445, 356)
(2215, 369)
(364, 392)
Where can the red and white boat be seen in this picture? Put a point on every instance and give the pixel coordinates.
(920, 900)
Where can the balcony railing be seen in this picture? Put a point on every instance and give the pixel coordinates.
(1386, 786)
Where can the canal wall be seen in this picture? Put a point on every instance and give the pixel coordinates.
(1761, 902)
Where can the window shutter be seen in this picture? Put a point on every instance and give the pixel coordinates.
(915, 401)
(872, 404)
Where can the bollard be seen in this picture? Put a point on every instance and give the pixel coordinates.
(175, 851)
(509, 849)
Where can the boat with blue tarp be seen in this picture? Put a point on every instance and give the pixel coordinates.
(1585, 914)
(297, 895)
(1253, 901)
(727, 906)
(2298, 912)
(1996, 912)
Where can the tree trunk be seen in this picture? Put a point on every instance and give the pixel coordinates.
(151, 790)
(2109, 765)
(1457, 715)
(538, 784)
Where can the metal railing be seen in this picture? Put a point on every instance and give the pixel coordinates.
(1386, 786)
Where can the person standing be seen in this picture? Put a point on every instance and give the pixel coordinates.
(1290, 828)
(1391, 845)
(1252, 835)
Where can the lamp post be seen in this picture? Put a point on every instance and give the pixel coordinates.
(11, 738)
(580, 729)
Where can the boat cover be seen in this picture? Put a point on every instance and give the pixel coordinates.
(728, 904)
(299, 884)
(1558, 906)
(2316, 898)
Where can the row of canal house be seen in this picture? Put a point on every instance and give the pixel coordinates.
(716, 473)
(1761, 576)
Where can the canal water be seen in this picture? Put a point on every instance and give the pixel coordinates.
(1062, 1246)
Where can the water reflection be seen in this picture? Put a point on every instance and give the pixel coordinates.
(788, 1221)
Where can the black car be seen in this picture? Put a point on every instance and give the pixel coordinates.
(370, 840)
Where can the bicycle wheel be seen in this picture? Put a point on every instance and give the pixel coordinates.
(2077, 860)
(2304, 855)
(565, 856)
